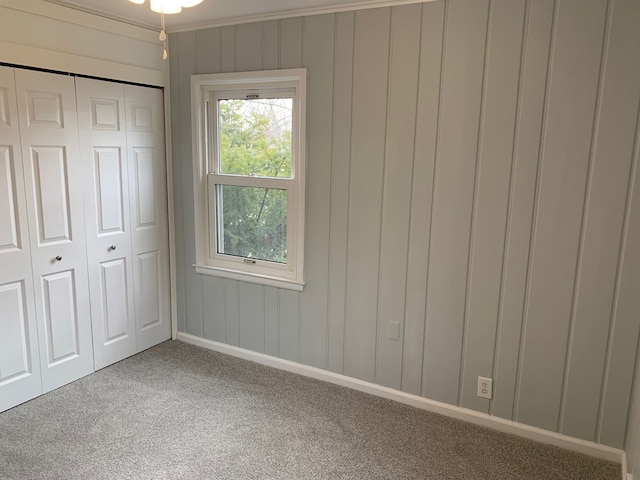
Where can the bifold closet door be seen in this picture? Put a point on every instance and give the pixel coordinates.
(54, 178)
(101, 120)
(122, 142)
(19, 360)
(149, 227)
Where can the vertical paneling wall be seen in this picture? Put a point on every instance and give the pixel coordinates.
(472, 204)
(628, 305)
(633, 432)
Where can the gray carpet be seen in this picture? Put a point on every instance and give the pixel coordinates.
(181, 412)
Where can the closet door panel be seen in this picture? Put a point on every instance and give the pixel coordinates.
(109, 191)
(8, 202)
(14, 347)
(54, 179)
(149, 274)
(147, 183)
(144, 174)
(101, 121)
(19, 359)
(115, 300)
(50, 184)
(60, 316)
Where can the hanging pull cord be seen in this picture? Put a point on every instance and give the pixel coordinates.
(163, 37)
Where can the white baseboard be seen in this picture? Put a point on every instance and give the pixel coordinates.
(625, 468)
(596, 450)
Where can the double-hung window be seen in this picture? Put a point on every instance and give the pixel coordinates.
(249, 165)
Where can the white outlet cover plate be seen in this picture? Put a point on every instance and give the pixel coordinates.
(485, 387)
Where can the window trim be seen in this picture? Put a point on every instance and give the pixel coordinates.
(208, 262)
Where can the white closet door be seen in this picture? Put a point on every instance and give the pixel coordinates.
(103, 139)
(19, 360)
(54, 178)
(147, 179)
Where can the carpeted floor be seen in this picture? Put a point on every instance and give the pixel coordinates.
(181, 412)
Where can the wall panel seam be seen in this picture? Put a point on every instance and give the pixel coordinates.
(219, 32)
(303, 23)
(534, 217)
(279, 49)
(299, 353)
(585, 204)
(382, 193)
(474, 205)
(187, 263)
(278, 298)
(235, 48)
(262, 46)
(236, 286)
(433, 190)
(413, 163)
(346, 267)
(331, 196)
(178, 185)
(226, 313)
(514, 150)
(224, 322)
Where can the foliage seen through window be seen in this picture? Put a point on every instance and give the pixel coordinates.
(255, 141)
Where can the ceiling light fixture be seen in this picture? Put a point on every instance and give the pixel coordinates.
(168, 7)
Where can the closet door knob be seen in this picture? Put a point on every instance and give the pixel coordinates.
(59, 258)
(112, 247)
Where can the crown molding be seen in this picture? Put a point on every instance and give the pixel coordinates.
(96, 12)
(302, 12)
(60, 9)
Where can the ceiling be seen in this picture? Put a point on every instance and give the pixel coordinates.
(216, 12)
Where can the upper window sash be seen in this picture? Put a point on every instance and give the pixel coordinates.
(283, 90)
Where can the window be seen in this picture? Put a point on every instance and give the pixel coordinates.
(249, 165)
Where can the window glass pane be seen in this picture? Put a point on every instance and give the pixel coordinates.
(255, 136)
(252, 222)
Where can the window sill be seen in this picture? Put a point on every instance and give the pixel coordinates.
(249, 277)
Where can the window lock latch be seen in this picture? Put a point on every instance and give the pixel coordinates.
(249, 261)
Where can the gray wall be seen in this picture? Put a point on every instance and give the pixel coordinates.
(469, 174)
(633, 430)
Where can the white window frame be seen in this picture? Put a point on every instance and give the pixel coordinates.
(205, 90)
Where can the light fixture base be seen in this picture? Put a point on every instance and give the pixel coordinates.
(167, 7)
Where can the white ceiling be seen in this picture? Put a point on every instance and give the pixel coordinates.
(217, 12)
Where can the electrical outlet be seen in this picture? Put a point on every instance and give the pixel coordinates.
(485, 387)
